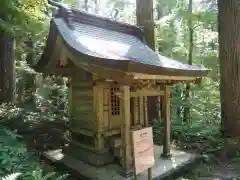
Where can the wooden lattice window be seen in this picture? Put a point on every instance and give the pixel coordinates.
(115, 102)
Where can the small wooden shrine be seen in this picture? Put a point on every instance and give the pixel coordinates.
(111, 72)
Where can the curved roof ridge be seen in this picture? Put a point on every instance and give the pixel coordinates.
(84, 17)
(118, 50)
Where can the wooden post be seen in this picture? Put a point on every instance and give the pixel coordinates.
(145, 111)
(125, 130)
(167, 122)
(141, 112)
(149, 173)
(136, 111)
(98, 106)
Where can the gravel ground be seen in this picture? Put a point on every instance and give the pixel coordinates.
(221, 171)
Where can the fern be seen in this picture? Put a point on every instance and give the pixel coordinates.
(39, 175)
(13, 176)
(62, 177)
(48, 176)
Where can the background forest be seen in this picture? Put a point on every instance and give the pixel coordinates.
(186, 30)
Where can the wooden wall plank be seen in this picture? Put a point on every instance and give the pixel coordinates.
(82, 101)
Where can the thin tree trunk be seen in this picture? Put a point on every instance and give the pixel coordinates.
(30, 88)
(229, 53)
(96, 10)
(179, 95)
(86, 5)
(186, 112)
(159, 11)
(144, 14)
(7, 72)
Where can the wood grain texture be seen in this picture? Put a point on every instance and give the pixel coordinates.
(126, 129)
(98, 109)
(229, 53)
(82, 101)
(167, 121)
(7, 69)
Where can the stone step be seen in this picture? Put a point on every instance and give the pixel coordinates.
(115, 141)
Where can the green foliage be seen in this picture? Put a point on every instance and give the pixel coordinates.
(26, 19)
(21, 16)
(12, 176)
(200, 136)
(17, 163)
(35, 175)
(202, 133)
(40, 175)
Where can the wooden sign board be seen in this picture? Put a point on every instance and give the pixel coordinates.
(143, 149)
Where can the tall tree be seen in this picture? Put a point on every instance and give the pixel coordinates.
(186, 112)
(144, 14)
(18, 20)
(229, 54)
(86, 5)
(96, 4)
(7, 73)
(30, 86)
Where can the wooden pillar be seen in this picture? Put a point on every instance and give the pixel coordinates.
(136, 111)
(141, 112)
(145, 111)
(125, 130)
(167, 122)
(98, 106)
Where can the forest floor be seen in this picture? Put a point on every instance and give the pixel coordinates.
(47, 136)
(223, 170)
(228, 169)
(50, 135)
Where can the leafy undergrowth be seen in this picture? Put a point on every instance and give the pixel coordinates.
(22, 131)
(17, 163)
(195, 136)
(41, 129)
(221, 156)
(225, 170)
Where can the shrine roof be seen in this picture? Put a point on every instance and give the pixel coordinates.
(111, 44)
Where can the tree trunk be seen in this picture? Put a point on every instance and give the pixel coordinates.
(179, 105)
(30, 85)
(96, 9)
(144, 14)
(7, 72)
(159, 11)
(86, 5)
(186, 112)
(229, 53)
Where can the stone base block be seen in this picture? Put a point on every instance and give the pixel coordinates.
(92, 158)
(163, 168)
